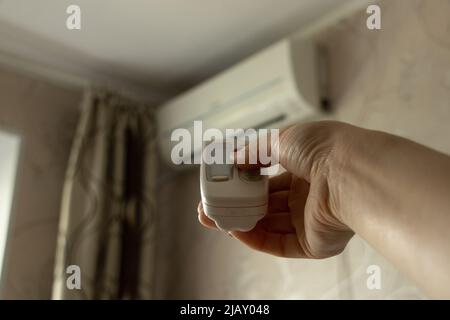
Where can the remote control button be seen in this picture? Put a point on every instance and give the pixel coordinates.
(250, 175)
(219, 172)
(219, 178)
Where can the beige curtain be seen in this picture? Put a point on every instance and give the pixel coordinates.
(108, 206)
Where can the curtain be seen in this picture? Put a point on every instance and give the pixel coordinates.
(106, 226)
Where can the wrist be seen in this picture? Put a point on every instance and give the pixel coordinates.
(346, 165)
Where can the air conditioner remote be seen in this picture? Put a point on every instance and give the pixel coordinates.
(235, 199)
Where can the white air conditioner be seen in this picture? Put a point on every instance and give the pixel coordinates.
(270, 89)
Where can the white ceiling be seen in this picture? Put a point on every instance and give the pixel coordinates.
(154, 43)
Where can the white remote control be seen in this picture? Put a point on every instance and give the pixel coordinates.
(235, 199)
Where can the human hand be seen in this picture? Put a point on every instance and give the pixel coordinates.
(303, 219)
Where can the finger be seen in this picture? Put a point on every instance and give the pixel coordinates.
(277, 244)
(203, 218)
(259, 153)
(280, 182)
(278, 223)
(299, 188)
(278, 202)
(299, 148)
(298, 194)
(248, 158)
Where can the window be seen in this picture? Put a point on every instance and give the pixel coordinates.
(9, 154)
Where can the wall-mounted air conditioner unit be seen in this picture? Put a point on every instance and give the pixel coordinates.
(270, 89)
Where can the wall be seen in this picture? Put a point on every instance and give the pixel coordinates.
(45, 117)
(397, 80)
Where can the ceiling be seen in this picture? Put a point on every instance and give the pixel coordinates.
(158, 44)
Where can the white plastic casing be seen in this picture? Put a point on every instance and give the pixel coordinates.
(273, 88)
(235, 202)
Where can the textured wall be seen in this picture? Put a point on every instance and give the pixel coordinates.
(396, 80)
(45, 117)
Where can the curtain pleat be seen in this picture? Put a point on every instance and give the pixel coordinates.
(108, 204)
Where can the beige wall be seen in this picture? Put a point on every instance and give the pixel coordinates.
(397, 80)
(45, 117)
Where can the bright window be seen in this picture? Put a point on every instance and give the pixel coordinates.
(9, 153)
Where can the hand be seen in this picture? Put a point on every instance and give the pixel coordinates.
(302, 219)
(342, 180)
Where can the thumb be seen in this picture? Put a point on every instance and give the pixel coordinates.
(302, 149)
(305, 148)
